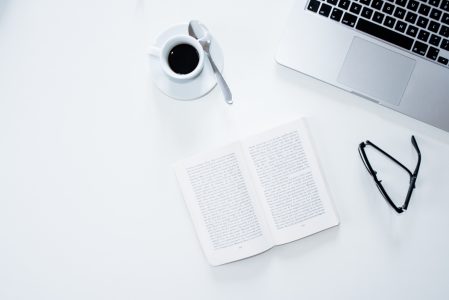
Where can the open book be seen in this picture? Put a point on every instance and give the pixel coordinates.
(251, 195)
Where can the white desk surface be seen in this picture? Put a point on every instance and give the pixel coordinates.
(89, 205)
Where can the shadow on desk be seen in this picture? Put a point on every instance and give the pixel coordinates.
(256, 266)
(303, 81)
(3, 7)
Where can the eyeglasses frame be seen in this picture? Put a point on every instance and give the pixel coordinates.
(413, 175)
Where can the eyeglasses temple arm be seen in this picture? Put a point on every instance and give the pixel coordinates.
(418, 164)
(390, 157)
(414, 175)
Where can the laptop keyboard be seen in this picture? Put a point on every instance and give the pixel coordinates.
(421, 27)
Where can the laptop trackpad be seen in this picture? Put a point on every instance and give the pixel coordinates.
(375, 71)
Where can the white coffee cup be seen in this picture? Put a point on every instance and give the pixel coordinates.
(163, 52)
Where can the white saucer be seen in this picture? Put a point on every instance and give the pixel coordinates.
(189, 89)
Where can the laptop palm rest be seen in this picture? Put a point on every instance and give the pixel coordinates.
(375, 71)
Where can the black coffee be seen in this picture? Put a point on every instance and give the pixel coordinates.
(183, 58)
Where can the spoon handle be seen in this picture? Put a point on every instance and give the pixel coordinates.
(220, 80)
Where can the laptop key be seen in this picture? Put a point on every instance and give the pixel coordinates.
(445, 44)
(384, 33)
(411, 17)
(445, 5)
(344, 4)
(420, 48)
(377, 4)
(413, 5)
(367, 12)
(378, 17)
(423, 35)
(400, 26)
(424, 9)
(388, 8)
(412, 31)
(314, 5)
(389, 22)
(442, 60)
(444, 31)
(435, 14)
(349, 19)
(422, 22)
(336, 14)
(399, 13)
(401, 2)
(365, 2)
(445, 18)
(333, 2)
(434, 26)
(435, 40)
(325, 9)
(355, 8)
(434, 2)
(432, 53)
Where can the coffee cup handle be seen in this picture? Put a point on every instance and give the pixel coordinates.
(154, 51)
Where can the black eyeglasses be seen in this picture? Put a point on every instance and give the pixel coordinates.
(413, 175)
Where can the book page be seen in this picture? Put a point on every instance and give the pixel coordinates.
(222, 203)
(289, 182)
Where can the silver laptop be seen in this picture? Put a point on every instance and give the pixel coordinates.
(393, 52)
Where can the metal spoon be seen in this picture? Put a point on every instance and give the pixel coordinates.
(203, 36)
